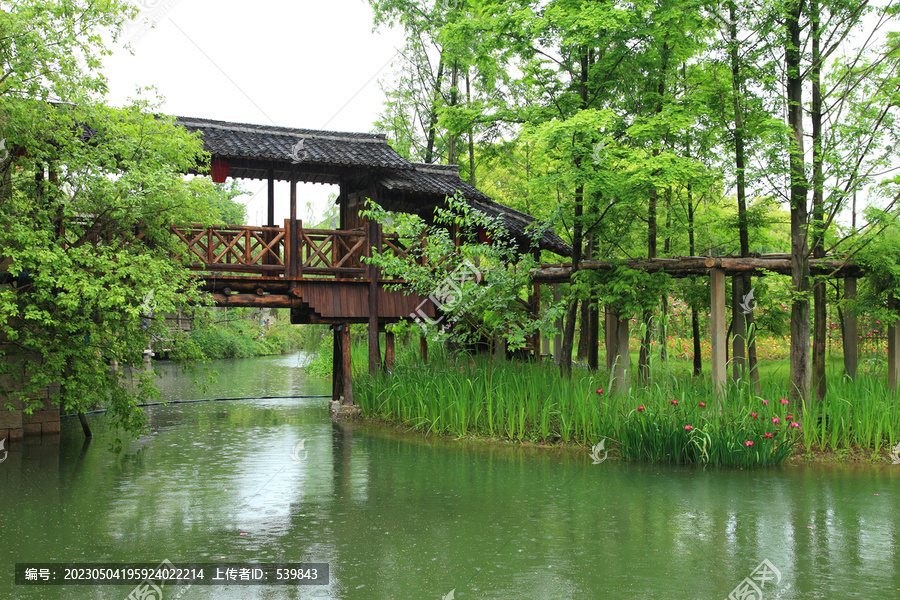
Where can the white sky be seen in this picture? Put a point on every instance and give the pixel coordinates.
(292, 63)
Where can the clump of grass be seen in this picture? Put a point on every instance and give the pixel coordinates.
(680, 420)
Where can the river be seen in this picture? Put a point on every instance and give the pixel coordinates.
(409, 517)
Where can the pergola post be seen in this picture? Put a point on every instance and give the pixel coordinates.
(557, 339)
(622, 357)
(610, 334)
(718, 327)
(893, 348)
(850, 334)
(738, 329)
(423, 348)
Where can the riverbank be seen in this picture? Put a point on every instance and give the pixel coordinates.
(800, 456)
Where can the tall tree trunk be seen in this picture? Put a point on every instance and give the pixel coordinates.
(800, 365)
(471, 135)
(452, 153)
(747, 331)
(433, 116)
(820, 317)
(565, 361)
(644, 354)
(692, 250)
(584, 323)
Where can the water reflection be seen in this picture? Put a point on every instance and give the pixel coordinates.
(402, 516)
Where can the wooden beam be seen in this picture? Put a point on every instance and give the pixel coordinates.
(718, 327)
(423, 348)
(685, 266)
(850, 334)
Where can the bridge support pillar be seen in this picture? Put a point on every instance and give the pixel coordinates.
(346, 364)
(337, 375)
(389, 351)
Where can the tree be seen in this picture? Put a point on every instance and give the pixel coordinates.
(88, 195)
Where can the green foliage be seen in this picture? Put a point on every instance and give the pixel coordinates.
(244, 332)
(480, 290)
(87, 194)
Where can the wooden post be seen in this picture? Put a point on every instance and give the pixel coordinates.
(850, 334)
(374, 245)
(718, 327)
(611, 336)
(294, 232)
(623, 358)
(536, 308)
(346, 366)
(423, 348)
(389, 351)
(337, 362)
(271, 205)
(893, 348)
(557, 339)
(738, 329)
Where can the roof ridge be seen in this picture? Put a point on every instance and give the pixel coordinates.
(435, 169)
(342, 136)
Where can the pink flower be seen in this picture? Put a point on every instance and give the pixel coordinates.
(748, 443)
(784, 401)
(688, 427)
(767, 435)
(790, 417)
(795, 424)
(776, 420)
(674, 402)
(754, 415)
(703, 405)
(766, 402)
(600, 391)
(641, 408)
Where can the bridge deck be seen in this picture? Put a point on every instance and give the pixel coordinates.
(318, 273)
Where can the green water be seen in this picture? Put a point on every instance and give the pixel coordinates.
(399, 516)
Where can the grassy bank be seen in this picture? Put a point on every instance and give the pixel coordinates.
(674, 419)
(244, 332)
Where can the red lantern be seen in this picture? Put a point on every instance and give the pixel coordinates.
(219, 170)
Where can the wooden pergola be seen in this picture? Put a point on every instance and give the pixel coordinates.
(717, 268)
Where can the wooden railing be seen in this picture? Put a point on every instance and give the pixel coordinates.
(269, 251)
(234, 248)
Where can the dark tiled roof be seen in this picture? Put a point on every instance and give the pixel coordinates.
(328, 156)
(522, 226)
(440, 180)
(297, 146)
(444, 180)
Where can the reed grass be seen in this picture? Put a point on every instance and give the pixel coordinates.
(675, 419)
